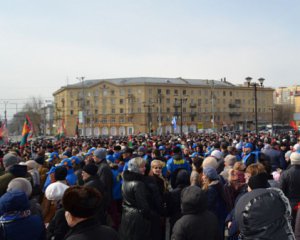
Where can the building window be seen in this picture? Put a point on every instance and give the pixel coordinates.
(224, 93)
(113, 110)
(168, 91)
(104, 120)
(139, 110)
(121, 110)
(96, 111)
(71, 112)
(72, 103)
(168, 110)
(121, 101)
(113, 120)
(230, 93)
(176, 92)
(168, 100)
(192, 92)
(121, 120)
(150, 91)
(139, 91)
(199, 101)
(113, 101)
(158, 91)
(112, 92)
(184, 109)
(184, 92)
(122, 92)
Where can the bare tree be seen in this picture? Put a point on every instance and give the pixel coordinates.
(32, 108)
(283, 113)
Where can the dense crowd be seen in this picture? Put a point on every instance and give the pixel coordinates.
(199, 186)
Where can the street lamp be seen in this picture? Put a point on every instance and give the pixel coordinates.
(255, 85)
(81, 79)
(181, 101)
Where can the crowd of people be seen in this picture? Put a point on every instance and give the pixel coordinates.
(200, 186)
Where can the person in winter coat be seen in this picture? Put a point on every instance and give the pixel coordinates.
(290, 183)
(215, 196)
(81, 204)
(91, 179)
(22, 184)
(173, 198)
(197, 222)
(136, 213)
(264, 214)
(16, 221)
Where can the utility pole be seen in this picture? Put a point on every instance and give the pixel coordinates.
(149, 105)
(81, 79)
(159, 114)
(212, 104)
(5, 112)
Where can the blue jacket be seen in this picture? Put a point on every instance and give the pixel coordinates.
(16, 222)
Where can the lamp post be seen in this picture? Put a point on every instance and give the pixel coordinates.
(81, 79)
(149, 105)
(181, 101)
(255, 85)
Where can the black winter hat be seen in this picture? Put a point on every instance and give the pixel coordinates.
(259, 181)
(91, 169)
(60, 173)
(40, 160)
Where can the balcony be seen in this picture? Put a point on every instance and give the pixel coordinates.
(193, 114)
(176, 105)
(193, 105)
(234, 114)
(234, 105)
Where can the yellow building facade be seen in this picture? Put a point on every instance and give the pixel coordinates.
(126, 106)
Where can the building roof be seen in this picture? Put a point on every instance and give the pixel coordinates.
(150, 81)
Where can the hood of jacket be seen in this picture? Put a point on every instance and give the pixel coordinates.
(263, 214)
(193, 200)
(14, 201)
(130, 176)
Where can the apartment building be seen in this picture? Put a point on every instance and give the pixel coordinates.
(124, 106)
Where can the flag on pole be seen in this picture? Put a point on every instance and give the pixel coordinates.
(77, 128)
(61, 131)
(294, 125)
(3, 133)
(26, 131)
(174, 123)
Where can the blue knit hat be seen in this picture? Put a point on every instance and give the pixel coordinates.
(211, 173)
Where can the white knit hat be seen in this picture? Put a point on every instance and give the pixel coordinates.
(295, 158)
(55, 191)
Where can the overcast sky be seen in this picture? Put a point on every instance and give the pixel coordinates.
(44, 44)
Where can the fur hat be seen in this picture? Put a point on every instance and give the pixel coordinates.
(135, 163)
(10, 159)
(295, 158)
(217, 154)
(31, 164)
(82, 202)
(20, 184)
(210, 162)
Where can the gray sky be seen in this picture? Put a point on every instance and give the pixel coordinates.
(44, 44)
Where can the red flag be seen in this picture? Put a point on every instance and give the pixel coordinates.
(294, 125)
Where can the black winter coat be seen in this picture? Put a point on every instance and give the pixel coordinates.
(58, 226)
(90, 230)
(197, 222)
(136, 213)
(95, 182)
(106, 176)
(290, 184)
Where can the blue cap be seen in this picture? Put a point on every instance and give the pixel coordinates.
(248, 145)
(110, 158)
(75, 159)
(66, 162)
(52, 155)
(52, 170)
(90, 151)
(195, 154)
(161, 148)
(194, 145)
(66, 153)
